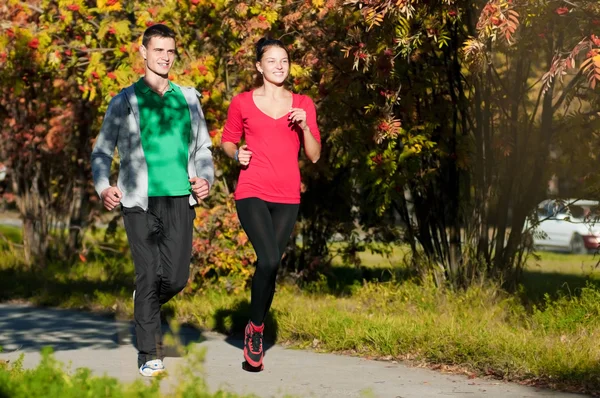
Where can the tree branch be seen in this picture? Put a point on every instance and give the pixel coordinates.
(571, 4)
(34, 8)
(566, 91)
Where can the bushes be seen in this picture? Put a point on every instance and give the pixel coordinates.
(50, 379)
(222, 253)
(569, 313)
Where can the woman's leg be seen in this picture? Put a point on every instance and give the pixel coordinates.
(284, 218)
(256, 220)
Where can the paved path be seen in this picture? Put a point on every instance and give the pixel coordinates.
(105, 345)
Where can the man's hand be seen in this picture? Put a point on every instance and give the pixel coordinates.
(111, 197)
(200, 187)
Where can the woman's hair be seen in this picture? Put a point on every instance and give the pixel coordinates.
(263, 44)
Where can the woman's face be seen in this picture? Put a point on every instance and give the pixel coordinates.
(274, 65)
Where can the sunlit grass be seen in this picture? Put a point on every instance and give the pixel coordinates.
(586, 264)
(482, 330)
(395, 258)
(13, 234)
(579, 264)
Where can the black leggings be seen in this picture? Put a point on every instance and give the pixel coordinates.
(268, 226)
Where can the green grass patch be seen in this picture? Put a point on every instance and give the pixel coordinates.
(51, 379)
(392, 256)
(576, 264)
(12, 234)
(557, 273)
(90, 285)
(482, 330)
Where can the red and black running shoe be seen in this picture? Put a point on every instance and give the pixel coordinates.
(253, 345)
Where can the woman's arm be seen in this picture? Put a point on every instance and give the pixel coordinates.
(306, 119)
(312, 147)
(229, 148)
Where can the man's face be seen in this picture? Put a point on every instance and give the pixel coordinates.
(159, 55)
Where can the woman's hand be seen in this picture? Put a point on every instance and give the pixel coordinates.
(312, 148)
(244, 155)
(298, 116)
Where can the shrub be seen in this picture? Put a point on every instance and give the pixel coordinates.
(222, 253)
(569, 313)
(51, 379)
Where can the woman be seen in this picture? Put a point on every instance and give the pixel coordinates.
(274, 123)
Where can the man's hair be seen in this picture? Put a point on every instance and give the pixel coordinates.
(158, 30)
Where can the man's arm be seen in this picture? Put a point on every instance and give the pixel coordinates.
(203, 159)
(104, 148)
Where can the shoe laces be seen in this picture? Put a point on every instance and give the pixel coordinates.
(256, 341)
(155, 364)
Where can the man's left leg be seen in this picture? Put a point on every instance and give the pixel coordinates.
(175, 246)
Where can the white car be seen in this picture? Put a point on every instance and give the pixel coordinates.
(568, 225)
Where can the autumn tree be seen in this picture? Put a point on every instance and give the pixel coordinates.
(471, 104)
(61, 63)
(46, 130)
(309, 30)
(63, 60)
(435, 113)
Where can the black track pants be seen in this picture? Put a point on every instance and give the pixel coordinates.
(160, 240)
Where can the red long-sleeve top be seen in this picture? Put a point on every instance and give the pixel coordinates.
(273, 174)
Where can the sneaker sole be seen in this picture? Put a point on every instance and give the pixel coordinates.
(153, 373)
(249, 368)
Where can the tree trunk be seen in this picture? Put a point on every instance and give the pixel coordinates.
(34, 243)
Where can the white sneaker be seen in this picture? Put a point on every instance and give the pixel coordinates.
(152, 368)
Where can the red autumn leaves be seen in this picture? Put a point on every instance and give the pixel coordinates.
(33, 43)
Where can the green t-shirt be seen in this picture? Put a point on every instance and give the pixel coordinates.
(165, 128)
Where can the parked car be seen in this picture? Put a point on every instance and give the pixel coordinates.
(568, 225)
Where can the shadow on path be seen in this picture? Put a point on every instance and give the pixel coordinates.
(27, 328)
(233, 321)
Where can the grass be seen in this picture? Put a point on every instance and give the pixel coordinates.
(545, 335)
(396, 257)
(480, 331)
(51, 379)
(553, 273)
(12, 234)
(562, 263)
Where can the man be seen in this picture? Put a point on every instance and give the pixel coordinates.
(165, 168)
